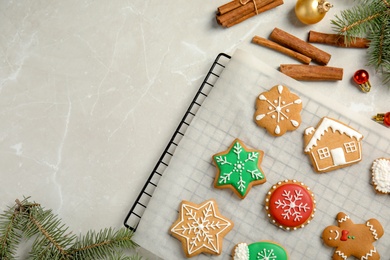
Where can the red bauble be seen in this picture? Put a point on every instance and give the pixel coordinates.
(361, 77)
(386, 119)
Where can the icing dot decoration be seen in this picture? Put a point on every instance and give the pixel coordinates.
(290, 205)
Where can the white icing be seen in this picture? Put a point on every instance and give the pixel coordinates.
(298, 101)
(294, 123)
(259, 117)
(309, 130)
(337, 234)
(280, 89)
(335, 126)
(241, 252)
(292, 205)
(369, 254)
(262, 97)
(373, 230)
(341, 254)
(198, 231)
(381, 175)
(277, 130)
(345, 218)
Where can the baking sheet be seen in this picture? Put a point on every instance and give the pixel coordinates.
(226, 114)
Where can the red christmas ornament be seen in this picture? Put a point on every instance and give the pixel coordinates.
(361, 77)
(386, 119)
(383, 118)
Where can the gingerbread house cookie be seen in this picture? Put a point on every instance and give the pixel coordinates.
(332, 145)
(352, 239)
(380, 171)
(200, 228)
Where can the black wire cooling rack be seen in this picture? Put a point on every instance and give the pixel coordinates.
(134, 216)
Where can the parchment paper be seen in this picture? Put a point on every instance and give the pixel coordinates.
(226, 114)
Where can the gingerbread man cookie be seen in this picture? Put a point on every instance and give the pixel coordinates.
(278, 110)
(351, 239)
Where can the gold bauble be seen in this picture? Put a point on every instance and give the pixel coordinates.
(311, 11)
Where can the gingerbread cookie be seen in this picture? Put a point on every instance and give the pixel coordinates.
(263, 250)
(238, 168)
(332, 145)
(380, 171)
(351, 239)
(278, 110)
(200, 228)
(290, 204)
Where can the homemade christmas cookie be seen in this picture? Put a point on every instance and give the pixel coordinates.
(380, 171)
(332, 145)
(290, 204)
(200, 228)
(351, 239)
(263, 250)
(238, 168)
(278, 110)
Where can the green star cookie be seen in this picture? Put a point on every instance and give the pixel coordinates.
(238, 168)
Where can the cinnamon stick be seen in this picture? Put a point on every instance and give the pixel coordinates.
(223, 9)
(312, 72)
(337, 40)
(241, 11)
(300, 46)
(271, 5)
(272, 45)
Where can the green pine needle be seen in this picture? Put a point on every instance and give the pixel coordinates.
(52, 239)
(371, 19)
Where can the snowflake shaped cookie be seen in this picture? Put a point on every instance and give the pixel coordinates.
(290, 204)
(238, 168)
(200, 228)
(263, 250)
(380, 170)
(278, 110)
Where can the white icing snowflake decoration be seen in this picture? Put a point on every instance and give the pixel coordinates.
(291, 206)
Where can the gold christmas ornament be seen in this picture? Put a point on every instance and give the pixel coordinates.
(311, 11)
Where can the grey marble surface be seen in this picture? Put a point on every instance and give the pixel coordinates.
(91, 91)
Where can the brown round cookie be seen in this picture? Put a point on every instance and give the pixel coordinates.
(380, 171)
(290, 204)
(278, 110)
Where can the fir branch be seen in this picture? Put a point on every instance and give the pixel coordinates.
(369, 18)
(10, 225)
(102, 243)
(52, 239)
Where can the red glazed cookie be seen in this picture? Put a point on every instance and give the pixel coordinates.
(200, 228)
(278, 110)
(351, 239)
(290, 204)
